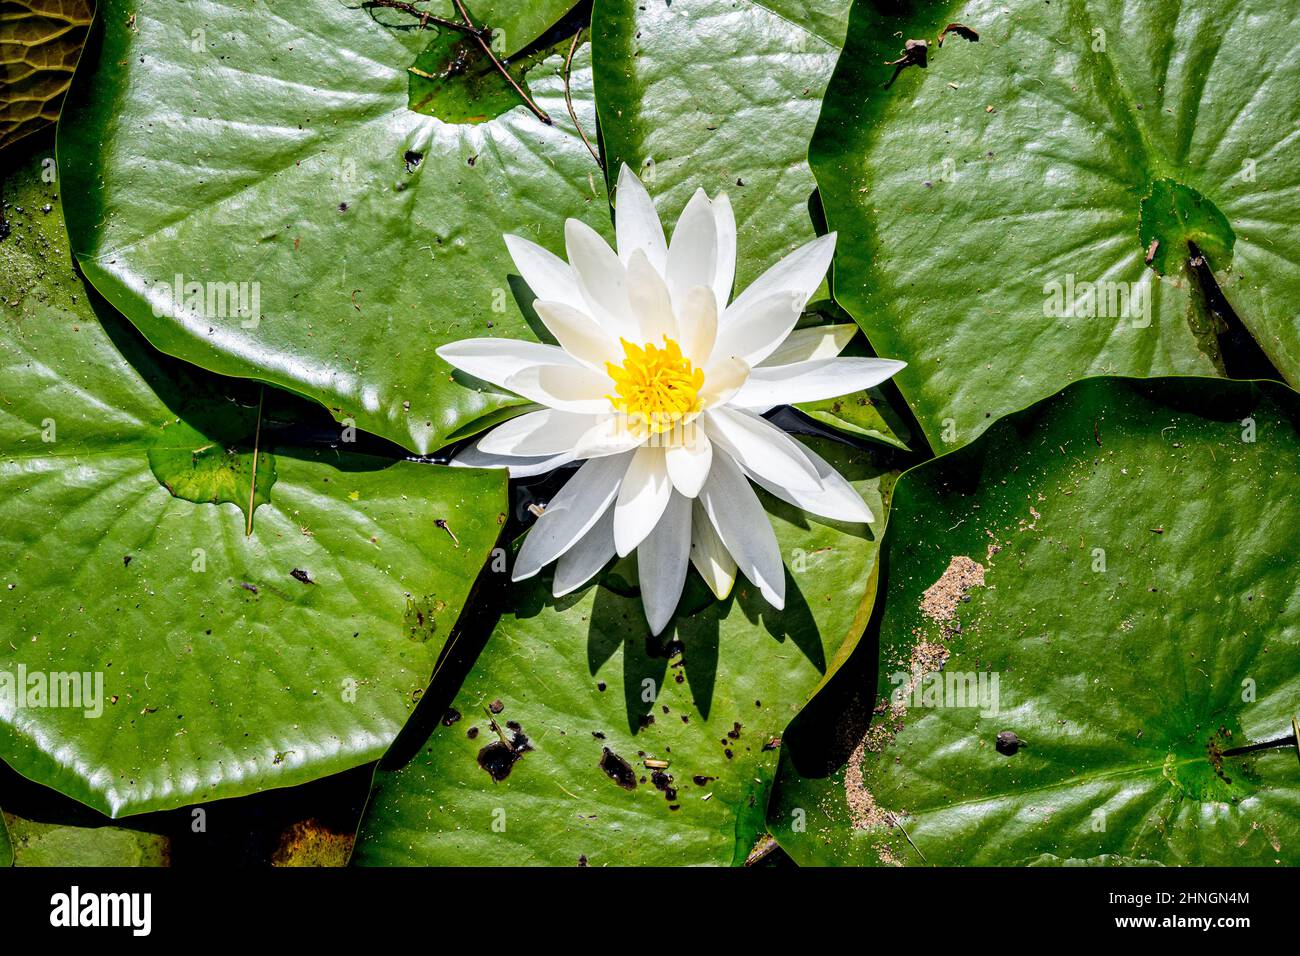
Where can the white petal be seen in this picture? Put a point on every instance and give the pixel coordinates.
(710, 555)
(835, 499)
(662, 559)
(761, 448)
(742, 524)
(756, 334)
(812, 381)
(797, 275)
(648, 297)
(584, 560)
(688, 463)
(570, 514)
(693, 252)
(578, 333)
(722, 380)
(610, 435)
(641, 499)
(725, 274)
(601, 278)
(698, 325)
(636, 224)
(573, 388)
(808, 345)
(497, 360)
(547, 274)
(471, 457)
(536, 434)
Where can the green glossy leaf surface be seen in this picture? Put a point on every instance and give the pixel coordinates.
(1003, 201)
(722, 95)
(267, 156)
(217, 663)
(596, 698)
(1109, 576)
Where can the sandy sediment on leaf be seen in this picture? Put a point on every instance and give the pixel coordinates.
(938, 604)
(940, 600)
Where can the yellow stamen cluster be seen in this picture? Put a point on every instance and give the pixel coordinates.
(656, 386)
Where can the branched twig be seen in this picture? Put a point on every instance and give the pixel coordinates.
(413, 10)
(477, 34)
(568, 99)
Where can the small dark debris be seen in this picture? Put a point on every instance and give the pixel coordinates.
(915, 53)
(450, 717)
(772, 744)
(301, 575)
(496, 706)
(499, 757)
(472, 733)
(343, 207)
(582, 860)
(412, 158)
(498, 760)
(734, 732)
(660, 779)
(961, 30)
(1008, 743)
(598, 735)
(1151, 251)
(248, 587)
(617, 769)
(601, 686)
(126, 561)
(701, 780)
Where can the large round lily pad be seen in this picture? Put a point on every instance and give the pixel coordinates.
(195, 651)
(1110, 578)
(327, 237)
(1005, 199)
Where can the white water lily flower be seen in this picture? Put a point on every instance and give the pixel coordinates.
(659, 384)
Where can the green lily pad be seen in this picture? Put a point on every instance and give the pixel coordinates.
(6, 845)
(722, 95)
(195, 660)
(264, 203)
(1080, 614)
(1004, 199)
(37, 843)
(616, 748)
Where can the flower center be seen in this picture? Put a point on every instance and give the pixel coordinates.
(657, 386)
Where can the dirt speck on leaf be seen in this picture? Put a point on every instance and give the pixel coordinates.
(617, 769)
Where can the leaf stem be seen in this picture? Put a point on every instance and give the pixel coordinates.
(252, 484)
(568, 99)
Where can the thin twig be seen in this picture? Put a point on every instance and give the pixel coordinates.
(257, 441)
(568, 99)
(413, 10)
(477, 34)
